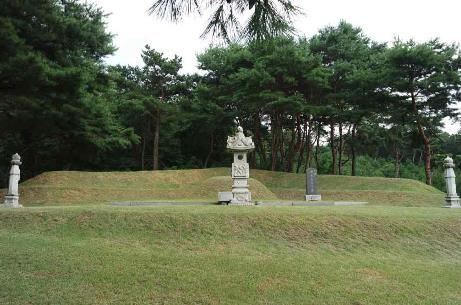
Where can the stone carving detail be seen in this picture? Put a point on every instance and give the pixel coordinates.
(12, 197)
(240, 182)
(242, 198)
(240, 170)
(239, 142)
(452, 199)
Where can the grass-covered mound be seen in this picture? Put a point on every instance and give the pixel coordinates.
(375, 190)
(68, 187)
(230, 255)
(72, 187)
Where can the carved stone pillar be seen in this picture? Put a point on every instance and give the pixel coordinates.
(240, 146)
(452, 199)
(12, 197)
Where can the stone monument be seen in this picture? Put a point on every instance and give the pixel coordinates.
(240, 146)
(452, 199)
(311, 185)
(12, 197)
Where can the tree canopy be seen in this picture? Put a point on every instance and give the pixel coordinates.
(55, 94)
(425, 80)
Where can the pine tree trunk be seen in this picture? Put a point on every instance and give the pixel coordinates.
(210, 152)
(426, 141)
(333, 151)
(397, 163)
(143, 152)
(317, 146)
(427, 155)
(259, 143)
(340, 149)
(156, 140)
(353, 155)
(301, 147)
(309, 145)
(292, 147)
(274, 143)
(281, 143)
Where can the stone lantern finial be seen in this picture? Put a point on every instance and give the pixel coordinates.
(16, 159)
(448, 162)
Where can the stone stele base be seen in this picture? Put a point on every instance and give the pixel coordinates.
(241, 198)
(11, 201)
(313, 197)
(242, 203)
(452, 202)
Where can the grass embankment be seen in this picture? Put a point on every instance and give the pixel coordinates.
(230, 255)
(64, 188)
(375, 190)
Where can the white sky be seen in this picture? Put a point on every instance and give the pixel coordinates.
(380, 20)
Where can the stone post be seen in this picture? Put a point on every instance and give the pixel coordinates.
(311, 185)
(12, 197)
(240, 146)
(452, 199)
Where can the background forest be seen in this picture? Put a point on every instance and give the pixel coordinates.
(337, 101)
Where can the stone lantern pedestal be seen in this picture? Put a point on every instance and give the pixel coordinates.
(12, 197)
(452, 198)
(240, 146)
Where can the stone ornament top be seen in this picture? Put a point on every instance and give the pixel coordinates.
(239, 142)
(16, 159)
(448, 162)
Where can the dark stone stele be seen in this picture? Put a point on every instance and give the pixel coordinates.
(311, 181)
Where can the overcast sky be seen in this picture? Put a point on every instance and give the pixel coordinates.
(380, 20)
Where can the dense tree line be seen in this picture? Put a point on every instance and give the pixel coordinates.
(335, 101)
(56, 106)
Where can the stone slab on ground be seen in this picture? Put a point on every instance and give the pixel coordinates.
(313, 197)
(310, 203)
(225, 196)
(257, 203)
(162, 203)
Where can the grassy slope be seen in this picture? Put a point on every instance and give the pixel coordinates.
(58, 188)
(376, 190)
(230, 255)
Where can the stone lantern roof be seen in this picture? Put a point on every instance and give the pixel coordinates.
(240, 143)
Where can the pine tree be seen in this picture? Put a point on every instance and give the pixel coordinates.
(268, 18)
(53, 85)
(424, 79)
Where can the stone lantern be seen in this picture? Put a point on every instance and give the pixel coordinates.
(12, 197)
(240, 146)
(452, 199)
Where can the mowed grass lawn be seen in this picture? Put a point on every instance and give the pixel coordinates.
(230, 255)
